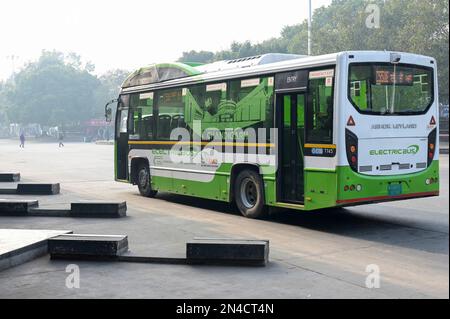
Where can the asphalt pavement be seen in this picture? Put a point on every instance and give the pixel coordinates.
(326, 254)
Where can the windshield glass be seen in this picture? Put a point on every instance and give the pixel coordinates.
(384, 88)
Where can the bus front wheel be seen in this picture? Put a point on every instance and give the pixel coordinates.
(249, 194)
(143, 181)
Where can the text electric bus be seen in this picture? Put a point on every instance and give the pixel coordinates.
(281, 130)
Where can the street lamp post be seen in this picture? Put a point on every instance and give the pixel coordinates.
(309, 27)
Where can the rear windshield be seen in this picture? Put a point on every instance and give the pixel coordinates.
(384, 88)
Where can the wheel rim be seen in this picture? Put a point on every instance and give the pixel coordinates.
(249, 194)
(143, 178)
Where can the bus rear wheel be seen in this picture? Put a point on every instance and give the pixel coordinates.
(249, 194)
(143, 181)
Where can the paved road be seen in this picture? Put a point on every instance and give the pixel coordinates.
(313, 255)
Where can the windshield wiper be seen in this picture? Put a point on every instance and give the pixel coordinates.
(393, 90)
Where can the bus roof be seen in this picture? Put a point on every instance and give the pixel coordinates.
(173, 74)
(168, 74)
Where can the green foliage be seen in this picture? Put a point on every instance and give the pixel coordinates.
(53, 90)
(57, 89)
(416, 26)
(200, 56)
(109, 89)
(3, 103)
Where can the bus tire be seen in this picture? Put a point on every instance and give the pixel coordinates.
(249, 194)
(143, 181)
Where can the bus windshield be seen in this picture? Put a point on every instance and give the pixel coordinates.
(384, 88)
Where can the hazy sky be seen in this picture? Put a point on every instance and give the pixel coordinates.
(132, 33)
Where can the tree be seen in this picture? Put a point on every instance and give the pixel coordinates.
(194, 56)
(416, 26)
(3, 104)
(55, 90)
(109, 88)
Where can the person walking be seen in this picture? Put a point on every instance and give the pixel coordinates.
(22, 140)
(61, 138)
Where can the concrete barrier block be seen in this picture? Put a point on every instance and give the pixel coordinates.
(8, 191)
(9, 177)
(16, 207)
(228, 252)
(38, 189)
(98, 209)
(87, 247)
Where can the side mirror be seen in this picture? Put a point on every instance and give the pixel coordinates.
(108, 114)
(108, 110)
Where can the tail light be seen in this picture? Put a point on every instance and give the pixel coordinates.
(351, 144)
(431, 146)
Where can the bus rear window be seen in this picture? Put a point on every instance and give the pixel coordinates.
(380, 88)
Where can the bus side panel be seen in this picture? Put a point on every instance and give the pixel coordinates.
(270, 190)
(160, 183)
(320, 189)
(216, 189)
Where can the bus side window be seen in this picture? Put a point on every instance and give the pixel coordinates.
(195, 100)
(141, 111)
(249, 98)
(213, 97)
(170, 112)
(319, 112)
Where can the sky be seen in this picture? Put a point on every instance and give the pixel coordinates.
(133, 33)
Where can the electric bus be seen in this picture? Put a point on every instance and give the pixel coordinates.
(282, 130)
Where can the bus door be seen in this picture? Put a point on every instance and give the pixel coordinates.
(291, 110)
(290, 90)
(121, 137)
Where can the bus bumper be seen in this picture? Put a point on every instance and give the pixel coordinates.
(354, 188)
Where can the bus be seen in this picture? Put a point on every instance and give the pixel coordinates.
(282, 130)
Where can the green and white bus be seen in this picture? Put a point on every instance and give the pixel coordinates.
(278, 130)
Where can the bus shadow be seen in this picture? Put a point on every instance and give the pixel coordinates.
(342, 222)
(365, 226)
(202, 203)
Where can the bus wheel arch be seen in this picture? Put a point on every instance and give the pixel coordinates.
(140, 176)
(246, 179)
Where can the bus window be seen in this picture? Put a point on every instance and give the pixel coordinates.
(319, 111)
(195, 100)
(123, 121)
(253, 100)
(390, 89)
(215, 93)
(359, 93)
(141, 112)
(170, 112)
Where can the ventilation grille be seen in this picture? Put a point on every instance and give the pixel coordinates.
(367, 168)
(243, 59)
(421, 165)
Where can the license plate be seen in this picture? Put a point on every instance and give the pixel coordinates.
(394, 189)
